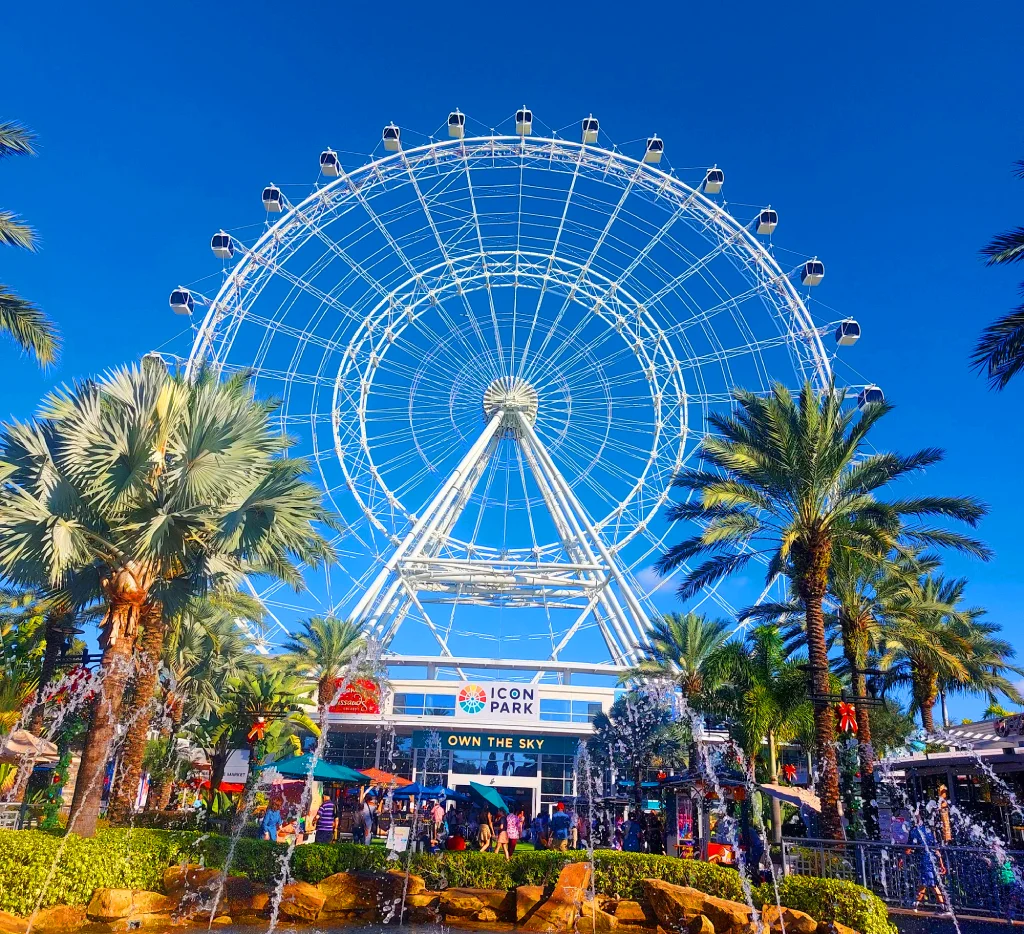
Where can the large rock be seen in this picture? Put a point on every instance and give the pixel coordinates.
(700, 925)
(594, 919)
(350, 891)
(193, 878)
(115, 904)
(729, 917)
(528, 897)
(398, 876)
(635, 914)
(561, 911)
(59, 919)
(478, 904)
(364, 892)
(301, 901)
(677, 905)
(834, 927)
(242, 897)
(12, 924)
(789, 920)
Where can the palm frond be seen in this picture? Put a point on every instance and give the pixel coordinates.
(29, 327)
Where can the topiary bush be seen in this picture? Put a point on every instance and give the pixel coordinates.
(832, 900)
(620, 875)
(44, 867)
(49, 869)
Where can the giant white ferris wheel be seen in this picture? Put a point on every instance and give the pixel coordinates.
(496, 348)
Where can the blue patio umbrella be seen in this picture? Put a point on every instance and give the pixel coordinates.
(488, 796)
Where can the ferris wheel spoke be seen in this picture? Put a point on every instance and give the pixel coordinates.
(453, 272)
(483, 259)
(585, 269)
(550, 265)
(397, 250)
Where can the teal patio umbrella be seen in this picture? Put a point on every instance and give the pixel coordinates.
(488, 796)
(298, 767)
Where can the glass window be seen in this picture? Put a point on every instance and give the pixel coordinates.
(439, 705)
(465, 763)
(409, 704)
(356, 750)
(585, 711)
(552, 709)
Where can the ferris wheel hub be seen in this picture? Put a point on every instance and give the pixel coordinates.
(513, 395)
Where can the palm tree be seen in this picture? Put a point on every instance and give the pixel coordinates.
(22, 320)
(950, 648)
(768, 702)
(987, 660)
(322, 650)
(212, 614)
(690, 650)
(791, 480)
(1000, 349)
(141, 490)
(263, 694)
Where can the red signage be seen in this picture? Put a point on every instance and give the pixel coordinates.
(356, 697)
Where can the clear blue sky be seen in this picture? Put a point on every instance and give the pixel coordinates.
(883, 136)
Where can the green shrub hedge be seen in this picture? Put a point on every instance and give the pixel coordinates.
(66, 870)
(832, 900)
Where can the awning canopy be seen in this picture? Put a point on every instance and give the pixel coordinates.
(792, 794)
(380, 777)
(298, 767)
(22, 746)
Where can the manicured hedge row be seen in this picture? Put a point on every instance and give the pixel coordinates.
(66, 870)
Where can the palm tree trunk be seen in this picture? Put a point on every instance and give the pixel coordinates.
(927, 694)
(99, 743)
(857, 659)
(126, 591)
(122, 798)
(162, 784)
(812, 585)
(773, 777)
(54, 644)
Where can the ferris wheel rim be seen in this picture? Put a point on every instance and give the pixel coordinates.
(273, 248)
(668, 182)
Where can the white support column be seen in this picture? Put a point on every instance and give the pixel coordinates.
(606, 595)
(560, 483)
(430, 518)
(574, 541)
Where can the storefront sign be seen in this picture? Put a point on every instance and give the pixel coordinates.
(490, 701)
(358, 697)
(237, 768)
(498, 742)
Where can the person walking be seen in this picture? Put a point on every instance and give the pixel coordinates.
(501, 828)
(362, 830)
(514, 825)
(486, 833)
(560, 828)
(437, 816)
(326, 822)
(930, 864)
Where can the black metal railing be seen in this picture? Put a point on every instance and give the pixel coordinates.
(974, 880)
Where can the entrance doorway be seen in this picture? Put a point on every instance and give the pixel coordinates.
(517, 797)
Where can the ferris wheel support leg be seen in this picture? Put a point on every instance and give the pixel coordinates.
(430, 518)
(576, 546)
(566, 490)
(563, 508)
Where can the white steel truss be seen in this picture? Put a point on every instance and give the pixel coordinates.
(588, 577)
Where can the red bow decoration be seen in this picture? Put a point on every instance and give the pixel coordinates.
(847, 717)
(790, 772)
(258, 728)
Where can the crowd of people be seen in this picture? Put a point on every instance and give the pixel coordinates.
(435, 825)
